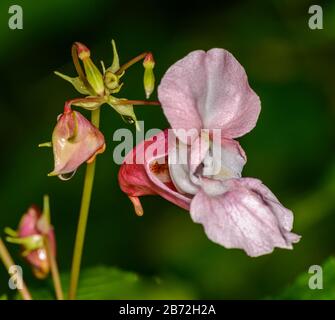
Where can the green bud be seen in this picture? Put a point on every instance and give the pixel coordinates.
(93, 74)
(149, 77)
(111, 80)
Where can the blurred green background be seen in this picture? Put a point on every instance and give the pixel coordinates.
(290, 66)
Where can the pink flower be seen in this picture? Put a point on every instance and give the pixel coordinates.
(30, 236)
(74, 140)
(208, 102)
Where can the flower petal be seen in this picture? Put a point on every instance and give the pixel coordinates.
(284, 215)
(245, 216)
(145, 172)
(180, 171)
(28, 222)
(192, 166)
(209, 90)
(75, 140)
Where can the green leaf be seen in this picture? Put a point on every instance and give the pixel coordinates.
(105, 283)
(300, 288)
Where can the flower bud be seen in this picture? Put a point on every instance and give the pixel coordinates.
(112, 81)
(74, 140)
(149, 77)
(93, 75)
(30, 237)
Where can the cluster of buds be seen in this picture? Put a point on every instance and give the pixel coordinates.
(33, 232)
(75, 139)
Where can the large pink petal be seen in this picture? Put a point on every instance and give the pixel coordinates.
(246, 216)
(209, 90)
(284, 215)
(145, 172)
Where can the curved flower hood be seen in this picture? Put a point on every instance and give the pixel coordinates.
(74, 140)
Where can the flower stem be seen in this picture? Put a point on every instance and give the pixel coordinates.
(137, 102)
(83, 215)
(8, 262)
(54, 270)
(50, 256)
(131, 62)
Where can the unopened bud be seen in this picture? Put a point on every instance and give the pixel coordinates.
(30, 237)
(149, 77)
(93, 74)
(83, 51)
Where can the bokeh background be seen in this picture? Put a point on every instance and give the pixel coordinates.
(290, 66)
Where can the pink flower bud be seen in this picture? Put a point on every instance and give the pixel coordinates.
(149, 61)
(83, 51)
(31, 238)
(74, 140)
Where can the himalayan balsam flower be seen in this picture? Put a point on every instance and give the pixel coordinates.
(74, 141)
(30, 236)
(207, 92)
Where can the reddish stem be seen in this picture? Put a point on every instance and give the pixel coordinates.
(138, 102)
(131, 62)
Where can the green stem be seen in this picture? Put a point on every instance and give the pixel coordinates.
(54, 270)
(83, 215)
(50, 254)
(8, 262)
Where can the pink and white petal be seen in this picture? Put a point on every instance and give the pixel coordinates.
(227, 159)
(182, 91)
(234, 147)
(209, 90)
(284, 215)
(231, 105)
(198, 151)
(240, 218)
(220, 160)
(150, 176)
(178, 159)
